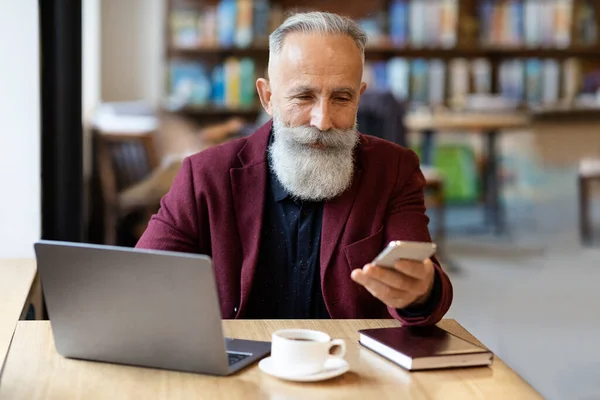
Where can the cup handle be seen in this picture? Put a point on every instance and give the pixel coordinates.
(337, 343)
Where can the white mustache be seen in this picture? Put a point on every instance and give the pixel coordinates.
(310, 135)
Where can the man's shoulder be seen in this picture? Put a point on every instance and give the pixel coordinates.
(378, 150)
(235, 153)
(220, 157)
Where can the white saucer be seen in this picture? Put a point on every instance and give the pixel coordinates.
(334, 366)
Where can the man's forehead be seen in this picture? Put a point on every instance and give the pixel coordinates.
(305, 49)
(300, 87)
(302, 59)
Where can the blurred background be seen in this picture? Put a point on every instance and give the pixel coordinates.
(500, 99)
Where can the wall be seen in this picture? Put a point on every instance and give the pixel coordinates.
(90, 73)
(132, 43)
(20, 199)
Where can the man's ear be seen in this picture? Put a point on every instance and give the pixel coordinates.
(263, 87)
(363, 87)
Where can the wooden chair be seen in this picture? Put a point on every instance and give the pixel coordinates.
(589, 172)
(123, 159)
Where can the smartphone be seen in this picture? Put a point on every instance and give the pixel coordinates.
(399, 249)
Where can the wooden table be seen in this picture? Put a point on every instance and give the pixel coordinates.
(34, 370)
(489, 124)
(16, 277)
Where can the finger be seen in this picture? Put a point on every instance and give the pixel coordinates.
(415, 269)
(390, 296)
(393, 278)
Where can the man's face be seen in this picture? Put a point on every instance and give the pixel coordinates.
(313, 98)
(315, 81)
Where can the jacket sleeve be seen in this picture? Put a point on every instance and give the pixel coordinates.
(406, 220)
(175, 226)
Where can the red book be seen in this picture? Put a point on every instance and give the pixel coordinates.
(419, 348)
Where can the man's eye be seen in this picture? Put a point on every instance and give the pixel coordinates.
(342, 99)
(304, 98)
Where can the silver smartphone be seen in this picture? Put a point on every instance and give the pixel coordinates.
(399, 249)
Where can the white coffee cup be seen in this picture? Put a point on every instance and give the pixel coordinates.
(303, 351)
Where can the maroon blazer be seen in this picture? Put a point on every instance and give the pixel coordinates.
(215, 207)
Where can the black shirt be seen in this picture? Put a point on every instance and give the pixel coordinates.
(287, 284)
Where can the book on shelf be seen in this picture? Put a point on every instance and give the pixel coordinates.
(398, 23)
(189, 82)
(419, 81)
(380, 75)
(431, 15)
(433, 23)
(247, 82)
(437, 82)
(184, 28)
(218, 86)
(244, 28)
(511, 80)
(533, 81)
(448, 23)
(530, 23)
(459, 80)
(571, 83)
(227, 85)
(586, 26)
(232, 82)
(551, 82)
(399, 77)
(260, 20)
(227, 18)
(424, 348)
(372, 27)
(418, 24)
(209, 28)
(563, 23)
(481, 71)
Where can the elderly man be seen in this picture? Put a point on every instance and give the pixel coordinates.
(293, 214)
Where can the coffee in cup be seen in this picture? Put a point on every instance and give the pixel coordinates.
(304, 351)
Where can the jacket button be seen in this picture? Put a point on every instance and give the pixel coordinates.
(235, 309)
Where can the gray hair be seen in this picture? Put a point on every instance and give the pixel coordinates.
(317, 22)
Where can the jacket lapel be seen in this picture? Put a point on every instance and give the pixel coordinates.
(335, 216)
(248, 186)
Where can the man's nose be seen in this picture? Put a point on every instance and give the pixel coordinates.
(320, 116)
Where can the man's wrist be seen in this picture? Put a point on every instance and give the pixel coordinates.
(428, 301)
(424, 297)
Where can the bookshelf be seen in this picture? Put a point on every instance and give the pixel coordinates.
(391, 51)
(533, 52)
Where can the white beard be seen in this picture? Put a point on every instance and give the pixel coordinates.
(309, 173)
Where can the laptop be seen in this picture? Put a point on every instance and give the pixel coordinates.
(138, 307)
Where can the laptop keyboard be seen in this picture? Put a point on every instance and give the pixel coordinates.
(234, 358)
